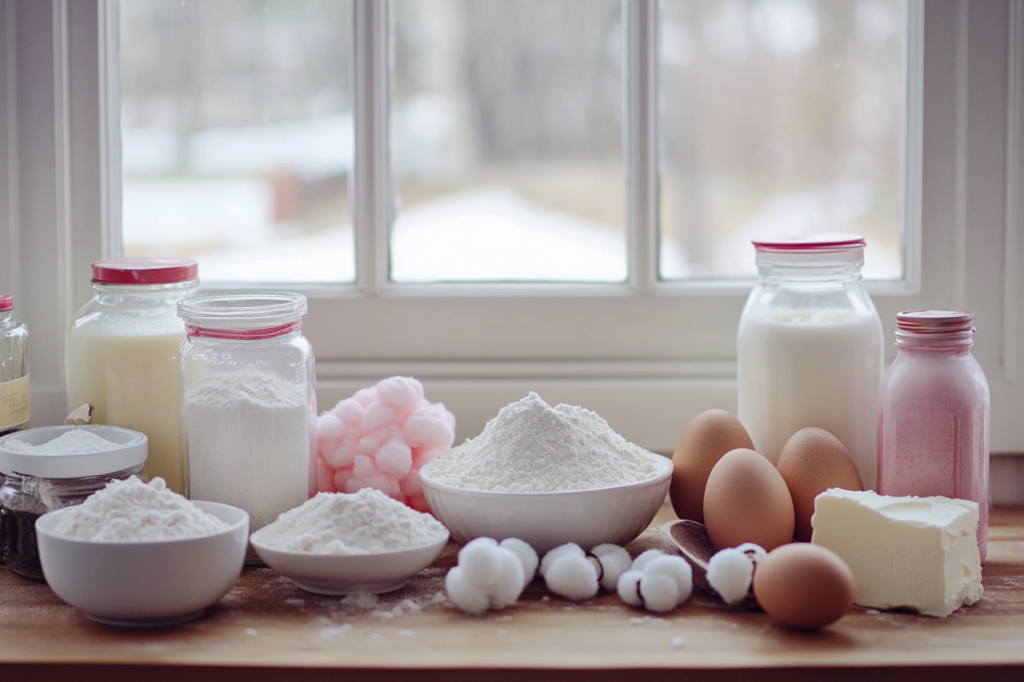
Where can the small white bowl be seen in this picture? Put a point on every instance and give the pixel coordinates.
(616, 514)
(148, 584)
(339, 574)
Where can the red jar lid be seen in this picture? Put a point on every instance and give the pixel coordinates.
(6, 302)
(934, 321)
(144, 271)
(809, 242)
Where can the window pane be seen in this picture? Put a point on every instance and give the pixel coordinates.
(236, 127)
(506, 141)
(779, 117)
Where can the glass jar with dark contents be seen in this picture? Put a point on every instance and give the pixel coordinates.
(53, 467)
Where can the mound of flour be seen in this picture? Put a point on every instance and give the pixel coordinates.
(132, 511)
(71, 442)
(533, 447)
(365, 522)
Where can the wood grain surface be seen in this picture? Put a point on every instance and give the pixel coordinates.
(267, 628)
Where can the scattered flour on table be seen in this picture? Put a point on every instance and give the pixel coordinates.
(133, 511)
(71, 442)
(365, 522)
(533, 447)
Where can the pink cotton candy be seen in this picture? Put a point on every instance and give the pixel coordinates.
(380, 437)
(427, 430)
(363, 467)
(394, 458)
(404, 394)
(324, 477)
(342, 455)
(385, 484)
(370, 444)
(378, 415)
(350, 412)
(411, 484)
(328, 432)
(365, 396)
(419, 503)
(341, 479)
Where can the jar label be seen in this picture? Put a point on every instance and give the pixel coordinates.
(13, 402)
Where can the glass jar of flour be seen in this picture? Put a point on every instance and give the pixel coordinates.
(248, 402)
(809, 348)
(122, 354)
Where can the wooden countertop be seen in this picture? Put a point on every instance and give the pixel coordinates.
(266, 628)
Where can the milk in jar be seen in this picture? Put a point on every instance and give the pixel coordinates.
(809, 348)
(122, 355)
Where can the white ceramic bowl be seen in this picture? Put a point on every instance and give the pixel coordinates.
(338, 574)
(144, 583)
(616, 514)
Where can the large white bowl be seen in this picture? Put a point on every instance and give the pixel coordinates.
(144, 583)
(615, 514)
(338, 574)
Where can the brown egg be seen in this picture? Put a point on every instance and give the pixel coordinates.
(746, 500)
(812, 461)
(710, 435)
(803, 586)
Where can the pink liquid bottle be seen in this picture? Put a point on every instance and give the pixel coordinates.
(933, 413)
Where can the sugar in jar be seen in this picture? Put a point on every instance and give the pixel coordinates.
(122, 354)
(249, 401)
(933, 413)
(809, 348)
(53, 467)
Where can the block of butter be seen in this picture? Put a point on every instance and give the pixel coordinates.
(919, 553)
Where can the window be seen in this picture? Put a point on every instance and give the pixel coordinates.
(640, 346)
(237, 138)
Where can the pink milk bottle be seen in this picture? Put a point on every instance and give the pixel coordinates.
(933, 413)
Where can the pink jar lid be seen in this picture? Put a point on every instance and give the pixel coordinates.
(934, 321)
(144, 271)
(809, 242)
(6, 302)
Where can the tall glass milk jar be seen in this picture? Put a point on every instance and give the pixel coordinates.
(809, 348)
(249, 401)
(933, 413)
(122, 354)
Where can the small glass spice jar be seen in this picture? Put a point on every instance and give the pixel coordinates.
(933, 413)
(14, 401)
(809, 347)
(122, 354)
(14, 388)
(40, 478)
(248, 402)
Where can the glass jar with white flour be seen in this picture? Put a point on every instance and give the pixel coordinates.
(249, 402)
(122, 354)
(809, 348)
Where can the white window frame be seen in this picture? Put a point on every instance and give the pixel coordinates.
(646, 355)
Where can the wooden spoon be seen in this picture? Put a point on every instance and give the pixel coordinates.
(692, 541)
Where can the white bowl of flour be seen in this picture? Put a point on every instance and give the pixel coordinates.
(548, 476)
(339, 543)
(142, 555)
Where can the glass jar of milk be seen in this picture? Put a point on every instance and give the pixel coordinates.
(122, 354)
(809, 348)
(249, 402)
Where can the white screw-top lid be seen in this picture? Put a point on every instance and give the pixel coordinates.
(129, 449)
